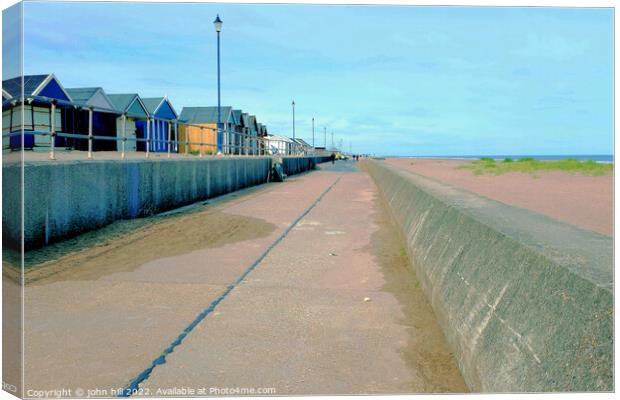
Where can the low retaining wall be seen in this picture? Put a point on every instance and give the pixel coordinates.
(64, 199)
(296, 165)
(526, 302)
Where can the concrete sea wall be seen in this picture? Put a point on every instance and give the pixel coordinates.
(526, 302)
(64, 199)
(296, 165)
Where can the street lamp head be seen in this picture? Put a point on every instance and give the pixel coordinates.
(218, 23)
(293, 103)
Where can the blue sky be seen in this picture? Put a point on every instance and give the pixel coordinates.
(391, 80)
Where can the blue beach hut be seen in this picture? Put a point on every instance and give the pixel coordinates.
(35, 100)
(162, 117)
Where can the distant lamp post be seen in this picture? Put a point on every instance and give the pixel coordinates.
(312, 131)
(325, 137)
(293, 105)
(218, 28)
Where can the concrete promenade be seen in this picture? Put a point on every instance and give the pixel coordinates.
(337, 281)
(312, 296)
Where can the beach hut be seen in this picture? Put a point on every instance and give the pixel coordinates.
(253, 132)
(245, 120)
(302, 147)
(93, 100)
(132, 110)
(237, 132)
(163, 118)
(262, 141)
(278, 145)
(200, 124)
(260, 128)
(35, 101)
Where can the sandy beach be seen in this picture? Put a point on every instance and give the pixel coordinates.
(583, 201)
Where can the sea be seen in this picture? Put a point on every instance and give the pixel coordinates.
(600, 158)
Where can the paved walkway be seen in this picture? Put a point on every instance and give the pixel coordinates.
(310, 293)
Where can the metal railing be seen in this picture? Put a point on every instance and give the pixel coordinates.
(235, 143)
(245, 145)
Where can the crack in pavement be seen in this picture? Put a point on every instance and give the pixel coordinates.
(134, 384)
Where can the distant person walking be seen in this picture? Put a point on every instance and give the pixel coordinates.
(333, 157)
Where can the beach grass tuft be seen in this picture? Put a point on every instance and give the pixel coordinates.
(488, 165)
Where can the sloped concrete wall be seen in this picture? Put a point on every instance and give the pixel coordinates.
(65, 198)
(526, 302)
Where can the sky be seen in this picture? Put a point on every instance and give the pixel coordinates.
(387, 80)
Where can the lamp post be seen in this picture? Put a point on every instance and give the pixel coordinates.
(325, 137)
(293, 105)
(218, 28)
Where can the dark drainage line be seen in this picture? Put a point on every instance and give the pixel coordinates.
(134, 385)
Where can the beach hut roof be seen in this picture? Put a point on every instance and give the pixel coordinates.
(252, 119)
(245, 118)
(121, 101)
(261, 128)
(280, 138)
(160, 107)
(91, 97)
(203, 115)
(237, 117)
(302, 142)
(129, 103)
(35, 85)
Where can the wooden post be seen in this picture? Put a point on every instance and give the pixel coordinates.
(123, 138)
(52, 131)
(90, 133)
(225, 140)
(176, 137)
(169, 134)
(148, 136)
(201, 140)
(186, 139)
